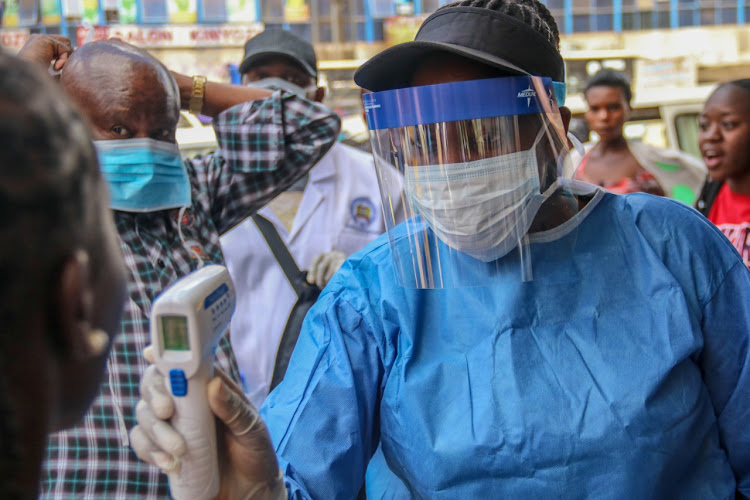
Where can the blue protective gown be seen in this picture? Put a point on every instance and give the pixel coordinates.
(621, 371)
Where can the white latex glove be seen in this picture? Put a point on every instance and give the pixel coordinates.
(247, 461)
(324, 266)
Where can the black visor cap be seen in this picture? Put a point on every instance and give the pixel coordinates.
(488, 37)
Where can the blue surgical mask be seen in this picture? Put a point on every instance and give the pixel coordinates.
(144, 175)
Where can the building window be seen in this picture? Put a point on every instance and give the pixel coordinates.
(272, 9)
(708, 16)
(381, 8)
(324, 32)
(604, 22)
(729, 16)
(212, 11)
(662, 19)
(629, 21)
(302, 30)
(155, 11)
(581, 23)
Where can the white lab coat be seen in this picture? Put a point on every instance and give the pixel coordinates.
(340, 210)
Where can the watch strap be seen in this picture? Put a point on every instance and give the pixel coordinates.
(196, 97)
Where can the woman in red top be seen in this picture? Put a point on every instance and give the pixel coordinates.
(610, 163)
(724, 141)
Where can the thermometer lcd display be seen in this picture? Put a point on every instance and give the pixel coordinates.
(174, 333)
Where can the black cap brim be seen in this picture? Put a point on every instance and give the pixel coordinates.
(394, 67)
(489, 37)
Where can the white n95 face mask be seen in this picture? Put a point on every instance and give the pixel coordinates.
(482, 208)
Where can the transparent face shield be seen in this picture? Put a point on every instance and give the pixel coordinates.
(480, 161)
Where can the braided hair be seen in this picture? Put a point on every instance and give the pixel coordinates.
(532, 12)
(48, 174)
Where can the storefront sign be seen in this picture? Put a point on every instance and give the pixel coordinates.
(241, 11)
(127, 10)
(296, 11)
(9, 18)
(91, 11)
(51, 12)
(168, 37)
(14, 13)
(400, 29)
(182, 11)
(13, 40)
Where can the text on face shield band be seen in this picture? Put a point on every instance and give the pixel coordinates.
(507, 96)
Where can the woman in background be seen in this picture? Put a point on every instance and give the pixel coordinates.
(621, 165)
(724, 141)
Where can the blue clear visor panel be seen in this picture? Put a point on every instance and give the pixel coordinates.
(476, 160)
(448, 102)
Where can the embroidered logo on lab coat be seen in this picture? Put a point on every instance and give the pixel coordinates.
(363, 213)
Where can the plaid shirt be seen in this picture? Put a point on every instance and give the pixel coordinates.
(265, 146)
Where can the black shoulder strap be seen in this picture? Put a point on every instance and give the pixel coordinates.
(280, 251)
(306, 296)
(708, 195)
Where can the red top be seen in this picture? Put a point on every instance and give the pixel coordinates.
(731, 213)
(642, 182)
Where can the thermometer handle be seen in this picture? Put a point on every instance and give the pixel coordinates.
(198, 475)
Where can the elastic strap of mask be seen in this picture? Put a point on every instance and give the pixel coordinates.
(274, 83)
(524, 245)
(187, 247)
(577, 144)
(568, 163)
(121, 427)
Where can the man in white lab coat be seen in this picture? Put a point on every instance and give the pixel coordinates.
(332, 213)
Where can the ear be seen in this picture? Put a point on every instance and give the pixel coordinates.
(320, 93)
(74, 307)
(566, 115)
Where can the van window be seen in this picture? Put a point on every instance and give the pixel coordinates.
(686, 126)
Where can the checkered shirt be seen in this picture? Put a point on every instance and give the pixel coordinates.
(265, 146)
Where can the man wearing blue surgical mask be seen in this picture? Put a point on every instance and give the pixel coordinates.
(169, 215)
(321, 220)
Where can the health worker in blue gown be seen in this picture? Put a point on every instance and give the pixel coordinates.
(521, 335)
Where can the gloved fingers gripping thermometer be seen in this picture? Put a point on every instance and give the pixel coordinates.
(187, 321)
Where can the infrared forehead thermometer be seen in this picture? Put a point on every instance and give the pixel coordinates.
(187, 321)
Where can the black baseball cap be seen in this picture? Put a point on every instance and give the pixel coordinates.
(282, 43)
(484, 35)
